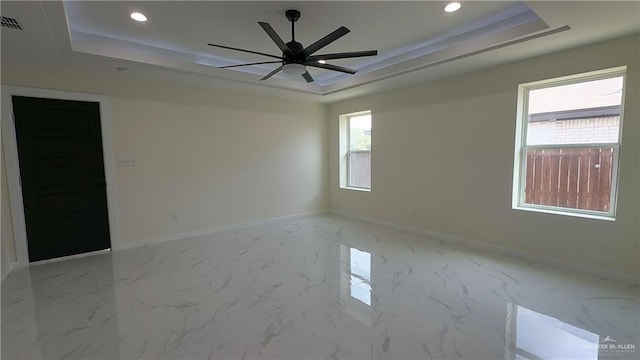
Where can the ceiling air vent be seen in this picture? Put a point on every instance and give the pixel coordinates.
(11, 23)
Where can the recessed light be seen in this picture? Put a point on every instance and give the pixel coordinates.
(322, 61)
(137, 16)
(452, 7)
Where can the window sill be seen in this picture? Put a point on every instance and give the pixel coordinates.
(355, 189)
(565, 213)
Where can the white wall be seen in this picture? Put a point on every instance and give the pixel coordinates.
(442, 157)
(214, 166)
(213, 157)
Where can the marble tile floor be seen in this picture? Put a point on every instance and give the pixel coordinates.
(319, 287)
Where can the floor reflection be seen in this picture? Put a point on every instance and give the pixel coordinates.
(360, 262)
(355, 283)
(63, 298)
(539, 336)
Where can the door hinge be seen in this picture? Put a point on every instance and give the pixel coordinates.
(20, 180)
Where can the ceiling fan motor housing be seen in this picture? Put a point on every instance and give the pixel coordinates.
(295, 50)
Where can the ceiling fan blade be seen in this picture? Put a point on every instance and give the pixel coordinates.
(274, 36)
(331, 67)
(307, 77)
(271, 73)
(344, 55)
(256, 63)
(340, 32)
(247, 51)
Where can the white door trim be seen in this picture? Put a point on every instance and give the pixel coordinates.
(13, 167)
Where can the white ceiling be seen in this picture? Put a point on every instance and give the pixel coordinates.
(416, 40)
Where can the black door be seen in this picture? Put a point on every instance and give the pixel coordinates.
(62, 176)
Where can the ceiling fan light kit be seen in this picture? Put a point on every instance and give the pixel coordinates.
(295, 58)
(294, 69)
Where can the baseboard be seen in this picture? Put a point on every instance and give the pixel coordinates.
(12, 265)
(478, 245)
(213, 230)
(5, 274)
(70, 257)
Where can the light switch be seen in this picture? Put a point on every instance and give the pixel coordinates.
(126, 162)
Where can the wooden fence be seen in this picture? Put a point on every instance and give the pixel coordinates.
(570, 178)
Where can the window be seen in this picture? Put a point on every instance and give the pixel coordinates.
(567, 144)
(355, 149)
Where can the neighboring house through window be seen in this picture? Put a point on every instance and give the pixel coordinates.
(567, 144)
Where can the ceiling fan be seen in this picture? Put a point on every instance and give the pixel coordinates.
(295, 58)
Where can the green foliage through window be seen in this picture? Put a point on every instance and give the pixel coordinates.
(360, 133)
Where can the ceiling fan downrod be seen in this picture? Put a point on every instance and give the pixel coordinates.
(292, 16)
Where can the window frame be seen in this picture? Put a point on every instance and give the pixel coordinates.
(345, 129)
(521, 146)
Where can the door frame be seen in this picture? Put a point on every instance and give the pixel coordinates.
(13, 168)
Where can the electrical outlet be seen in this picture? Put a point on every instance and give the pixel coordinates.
(174, 217)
